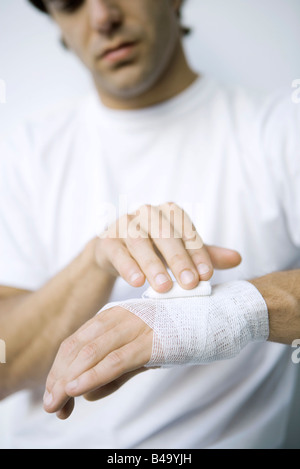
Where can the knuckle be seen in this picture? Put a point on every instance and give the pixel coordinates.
(121, 260)
(151, 265)
(93, 376)
(118, 251)
(89, 352)
(104, 250)
(117, 358)
(68, 345)
(136, 241)
(177, 259)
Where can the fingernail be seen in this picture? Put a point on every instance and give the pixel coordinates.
(135, 277)
(48, 398)
(203, 269)
(187, 277)
(160, 279)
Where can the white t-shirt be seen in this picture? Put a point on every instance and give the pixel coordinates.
(231, 158)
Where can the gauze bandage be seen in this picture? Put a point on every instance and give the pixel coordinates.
(201, 325)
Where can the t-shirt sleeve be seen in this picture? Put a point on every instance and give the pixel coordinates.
(22, 260)
(281, 141)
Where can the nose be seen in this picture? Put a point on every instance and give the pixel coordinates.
(105, 15)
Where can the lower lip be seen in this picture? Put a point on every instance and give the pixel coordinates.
(122, 53)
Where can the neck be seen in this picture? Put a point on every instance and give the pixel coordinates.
(175, 79)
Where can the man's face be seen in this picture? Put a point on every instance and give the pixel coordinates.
(126, 44)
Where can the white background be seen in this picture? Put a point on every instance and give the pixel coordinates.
(254, 43)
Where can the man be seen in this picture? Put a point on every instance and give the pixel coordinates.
(153, 131)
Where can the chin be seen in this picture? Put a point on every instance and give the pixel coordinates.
(128, 84)
(128, 92)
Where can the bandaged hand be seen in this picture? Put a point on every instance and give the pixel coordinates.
(202, 325)
(176, 328)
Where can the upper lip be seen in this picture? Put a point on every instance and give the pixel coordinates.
(115, 47)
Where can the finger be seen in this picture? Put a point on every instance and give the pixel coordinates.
(67, 353)
(66, 410)
(120, 259)
(182, 225)
(155, 225)
(183, 249)
(128, 358)
(179, 261)
(129, 327)
(52, 405)
(203, 262)
(70, 347)
(110, 388)
(64, 357)
(185, 230)
(223, 258)
(171, 244)
(142, 249)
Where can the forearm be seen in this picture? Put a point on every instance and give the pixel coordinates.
(34, 326)
(281, 292)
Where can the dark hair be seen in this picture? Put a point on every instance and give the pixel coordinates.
(39, 4)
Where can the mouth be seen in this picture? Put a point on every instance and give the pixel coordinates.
(119, 52)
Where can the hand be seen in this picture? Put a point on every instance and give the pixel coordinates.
(137, 247)
(142, 245)
(103, 354)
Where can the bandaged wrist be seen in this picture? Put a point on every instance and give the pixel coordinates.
(202, 325)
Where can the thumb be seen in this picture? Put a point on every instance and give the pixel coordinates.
(223, 258)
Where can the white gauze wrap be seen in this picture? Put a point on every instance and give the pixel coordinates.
(201, 325)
